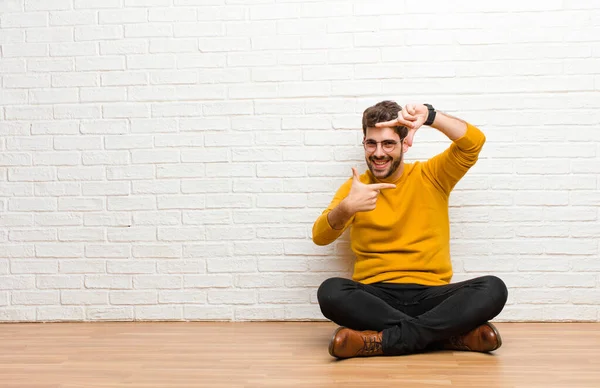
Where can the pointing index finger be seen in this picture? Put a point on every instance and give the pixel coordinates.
(394, 123)
(381, 186)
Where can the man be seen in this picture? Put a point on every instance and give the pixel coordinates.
(400, 300)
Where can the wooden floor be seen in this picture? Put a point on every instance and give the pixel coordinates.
(194, 354)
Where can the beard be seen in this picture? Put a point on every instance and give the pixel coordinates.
(392, 167)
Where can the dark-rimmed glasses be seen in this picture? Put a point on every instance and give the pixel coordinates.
(387, 145)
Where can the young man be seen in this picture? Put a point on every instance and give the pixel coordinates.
(400, 299)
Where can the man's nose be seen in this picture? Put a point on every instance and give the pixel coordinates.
(379, 150)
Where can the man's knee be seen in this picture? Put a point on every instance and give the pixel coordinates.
(329, 291)
(496, 289)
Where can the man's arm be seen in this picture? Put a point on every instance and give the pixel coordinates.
(447, 168)
(353, 197)
(450, 126)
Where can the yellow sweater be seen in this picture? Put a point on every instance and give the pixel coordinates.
(406, 238)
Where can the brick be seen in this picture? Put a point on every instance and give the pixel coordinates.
(204, 60)
(182, 170)
(131, 297)
(32, 235)
(131, 202)
(110, 314)
(181, 202)
(59, 282)
(185, 296)
(79, 267)
(107, 250)
(71, 18)
(96, 33)
(280, 264)
(80, 204)
(16, 220)
(180, 233)
(87, 297)
(265, 313)
(208, 313)
(215, 233)
(104, 94)
(17, 251)
(108, 282)
(231, 297)
(153, 125)
(41, 5)
(66, 314)
(29, 113)
(176, 110)
(155, 187)
(85, 234)
(35, 298)
(131, 267)
(157, 281)
(105, 188)
(207, 281)
(74, 79)
(173, 77)
(73, 50)
(132, 234)
(21, 50)
(206, 217)
(157, 251)
(22, 20)
(158, 313)
(177, 14)
(55, 189)
(130, 173)
(17, 282)
(125, 110)
(227, 264)
(242, 185)
(77, 111)
(128, 142)
(182, 266)
(111, 219)
(32, 204)
(204, 250)
(17, 314)
(125, 78)
(34, 266)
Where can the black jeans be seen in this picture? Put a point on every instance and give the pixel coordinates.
(413, 317)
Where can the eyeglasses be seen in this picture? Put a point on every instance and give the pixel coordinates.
(387, 145)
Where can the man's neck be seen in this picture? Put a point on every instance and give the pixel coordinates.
(397, 175)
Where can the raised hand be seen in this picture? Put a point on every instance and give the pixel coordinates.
(412, 116)
(363, 197)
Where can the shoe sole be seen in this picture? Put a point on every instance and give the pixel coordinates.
(497, 333)
(332, 342)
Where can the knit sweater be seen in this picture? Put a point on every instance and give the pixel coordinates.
(406, 238)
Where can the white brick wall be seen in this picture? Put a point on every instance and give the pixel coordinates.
(165, 159)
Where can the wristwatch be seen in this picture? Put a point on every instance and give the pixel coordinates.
(430, 114)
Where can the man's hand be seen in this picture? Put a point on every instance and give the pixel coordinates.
(363, 197)
(412, 116)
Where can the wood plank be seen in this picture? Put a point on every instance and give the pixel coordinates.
(281, 354)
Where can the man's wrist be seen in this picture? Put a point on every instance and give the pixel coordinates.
(345, 208)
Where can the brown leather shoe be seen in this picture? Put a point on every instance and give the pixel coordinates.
(348, 343)
(484, 338)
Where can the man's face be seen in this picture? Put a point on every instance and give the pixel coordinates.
(383, 152)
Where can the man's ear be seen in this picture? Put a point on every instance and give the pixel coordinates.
(405, 146)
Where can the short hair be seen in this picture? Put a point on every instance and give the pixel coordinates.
(380, 112)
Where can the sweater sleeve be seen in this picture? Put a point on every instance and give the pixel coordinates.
(447, 168)
(322, 232)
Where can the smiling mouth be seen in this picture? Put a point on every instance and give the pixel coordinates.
(380, 164)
